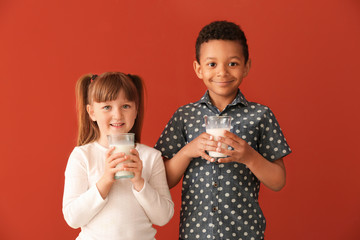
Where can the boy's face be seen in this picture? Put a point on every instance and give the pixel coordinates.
(222, 67)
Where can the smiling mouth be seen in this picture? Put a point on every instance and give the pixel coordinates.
(117, 124)
(223, 82)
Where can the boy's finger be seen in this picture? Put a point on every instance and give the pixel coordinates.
(232, 136)
(225, 151)
(210, 143)
(225, 160)
(207, 157)
(234, 143)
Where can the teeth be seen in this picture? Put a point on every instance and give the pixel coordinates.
(116, 124)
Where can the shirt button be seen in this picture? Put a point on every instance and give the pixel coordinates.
(214, 209)
(215, 185)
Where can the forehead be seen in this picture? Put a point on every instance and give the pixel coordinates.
(220, 49)
(120, 98)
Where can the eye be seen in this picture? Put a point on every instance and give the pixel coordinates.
(233, 64)
(212, 64)
(126, 106)
(107, 107)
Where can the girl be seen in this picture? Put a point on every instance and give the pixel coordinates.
(103, 207)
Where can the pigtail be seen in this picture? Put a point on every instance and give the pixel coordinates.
(87, 129)
(139, 85)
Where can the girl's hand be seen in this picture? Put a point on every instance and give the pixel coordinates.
(197, 147)
(108, 178)
(242, 150)
(111, 161)
(136, 167)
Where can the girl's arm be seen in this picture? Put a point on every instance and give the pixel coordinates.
(155, 196)
(80, 203)
(107, 180)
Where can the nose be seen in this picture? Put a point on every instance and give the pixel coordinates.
(117, 113)
(221, 70)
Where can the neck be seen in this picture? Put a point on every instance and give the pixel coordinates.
(102, 140)
(222, 101)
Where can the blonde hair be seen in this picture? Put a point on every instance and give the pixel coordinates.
(106, 87)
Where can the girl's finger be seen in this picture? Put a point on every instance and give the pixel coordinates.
(114, 156)
(134, 152)
(109, 152)
(126, 158)
(117, 161)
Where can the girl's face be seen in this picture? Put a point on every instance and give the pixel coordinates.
(112, 117)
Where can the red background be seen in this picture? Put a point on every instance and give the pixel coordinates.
(305, 66)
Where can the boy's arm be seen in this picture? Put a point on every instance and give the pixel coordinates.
(176, 166)
(271, 174)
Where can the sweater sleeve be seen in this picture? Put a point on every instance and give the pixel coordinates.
(155, 196)
(81, 202)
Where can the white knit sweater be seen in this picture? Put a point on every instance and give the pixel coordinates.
(125, 213)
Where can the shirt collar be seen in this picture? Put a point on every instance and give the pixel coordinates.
(239, 99)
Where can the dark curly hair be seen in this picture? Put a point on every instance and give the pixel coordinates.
(221, 30)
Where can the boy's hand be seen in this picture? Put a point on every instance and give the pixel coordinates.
(242, 152)
(136, 167)
(198, 146)
(271, 174)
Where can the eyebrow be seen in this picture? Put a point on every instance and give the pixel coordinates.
(212, 58)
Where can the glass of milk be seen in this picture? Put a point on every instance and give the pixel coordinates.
(122, 142)
(215, 126)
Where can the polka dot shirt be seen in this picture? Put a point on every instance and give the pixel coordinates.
(220, 201)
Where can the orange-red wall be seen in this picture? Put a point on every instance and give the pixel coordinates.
(305, 66)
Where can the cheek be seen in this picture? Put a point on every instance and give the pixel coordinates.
(207, 74)
(132, 116)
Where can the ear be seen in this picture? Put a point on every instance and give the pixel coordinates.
(247, 68)
(197, 69)
(90, 111)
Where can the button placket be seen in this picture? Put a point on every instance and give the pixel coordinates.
(215, 198)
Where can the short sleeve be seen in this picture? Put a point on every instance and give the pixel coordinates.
(172, 138)
(272, 143)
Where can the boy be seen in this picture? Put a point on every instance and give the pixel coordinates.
(220, 198)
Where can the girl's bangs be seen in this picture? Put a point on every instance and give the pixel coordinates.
(107, 88)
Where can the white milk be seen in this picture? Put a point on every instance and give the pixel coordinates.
(123, 149)
(216, 132)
